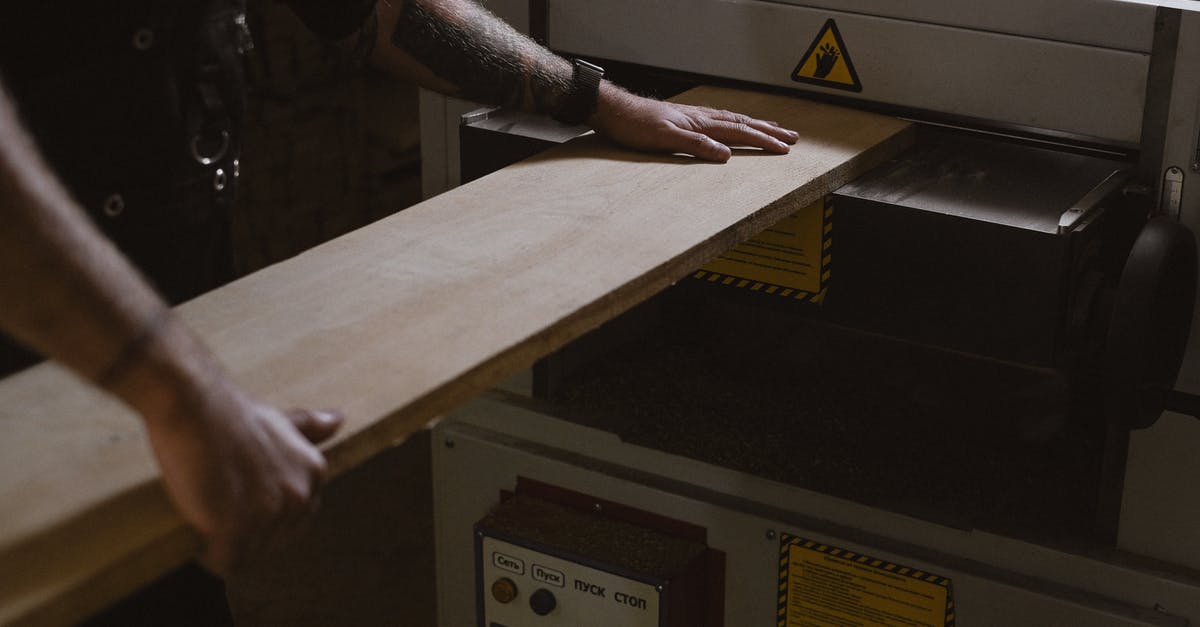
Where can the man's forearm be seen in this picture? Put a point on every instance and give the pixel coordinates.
(459, 48)
(245, 475)
(67, 292)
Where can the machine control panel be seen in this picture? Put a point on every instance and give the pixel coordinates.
(550, 557)
(523, 587)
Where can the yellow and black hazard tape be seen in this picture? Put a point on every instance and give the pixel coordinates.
(758, 286)
(826, 244)
(786, 541)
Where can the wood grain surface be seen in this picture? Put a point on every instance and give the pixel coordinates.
(398, 323)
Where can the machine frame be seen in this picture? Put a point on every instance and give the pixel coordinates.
(1107, 76)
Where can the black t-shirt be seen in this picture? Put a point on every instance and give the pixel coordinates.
(332, 19)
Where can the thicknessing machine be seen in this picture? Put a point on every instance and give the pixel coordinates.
(931, 398)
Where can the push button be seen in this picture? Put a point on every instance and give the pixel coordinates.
(143, 39)
(542, 602)
(504, 590)
(114, 205)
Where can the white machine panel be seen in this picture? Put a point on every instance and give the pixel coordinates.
(996, 581)
(1076, 89)
(582, 596)
(1105, 23)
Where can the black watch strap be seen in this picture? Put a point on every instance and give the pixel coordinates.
(580, 103)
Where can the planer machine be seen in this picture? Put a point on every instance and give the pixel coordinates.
(957, 391)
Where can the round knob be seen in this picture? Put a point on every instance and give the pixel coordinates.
(504, 590)
(542, 602)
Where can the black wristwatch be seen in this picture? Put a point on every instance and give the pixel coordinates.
(580, 103)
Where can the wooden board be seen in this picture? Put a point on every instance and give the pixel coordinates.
(397, 323)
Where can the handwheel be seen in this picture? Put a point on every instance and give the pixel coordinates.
(1150, 324)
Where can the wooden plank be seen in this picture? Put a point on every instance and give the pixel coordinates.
(399, 322)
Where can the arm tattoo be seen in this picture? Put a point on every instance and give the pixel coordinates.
(485, 58)
(362, 43)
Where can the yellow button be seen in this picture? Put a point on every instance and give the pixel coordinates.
(504, 590)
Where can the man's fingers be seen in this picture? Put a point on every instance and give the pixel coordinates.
(222, 554)
(776, 131)
(264, 528)
(740, 134)
(216, 562)
(317, 426)
(291, 525)
(767, 127)
(699, 145)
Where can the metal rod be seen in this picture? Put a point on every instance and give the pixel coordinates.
(1182, 403)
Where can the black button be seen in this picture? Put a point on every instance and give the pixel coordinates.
(542, 602)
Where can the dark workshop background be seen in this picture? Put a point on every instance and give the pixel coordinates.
(329, 150)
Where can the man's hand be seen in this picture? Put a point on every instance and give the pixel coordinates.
(245, 475)
(708, 134)
(458, 48)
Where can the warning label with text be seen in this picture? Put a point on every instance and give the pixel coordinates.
(791, 259)
(826, 586)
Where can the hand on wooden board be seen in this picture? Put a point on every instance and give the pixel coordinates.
(245, 475)
(709, 134)
(459, 48)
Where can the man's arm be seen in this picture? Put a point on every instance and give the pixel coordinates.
(242, 473)
(458, 48)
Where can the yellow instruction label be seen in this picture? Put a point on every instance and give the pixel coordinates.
(791, 259)
(826, 586)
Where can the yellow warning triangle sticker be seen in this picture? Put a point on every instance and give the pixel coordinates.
(827, 62)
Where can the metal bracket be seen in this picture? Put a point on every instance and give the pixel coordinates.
(1159, 82)
(1171, 202)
